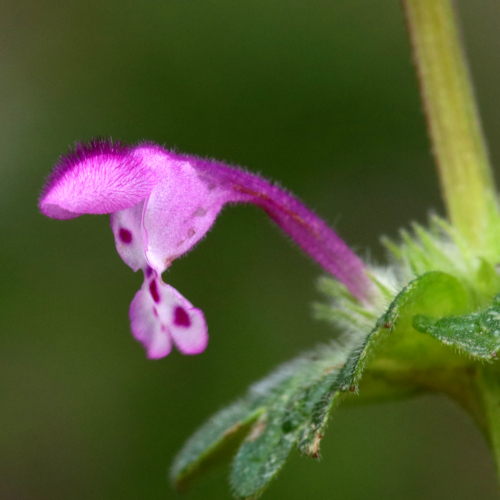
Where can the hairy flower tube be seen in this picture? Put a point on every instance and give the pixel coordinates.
(161, 204)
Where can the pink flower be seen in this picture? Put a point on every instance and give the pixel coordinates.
(161, 204)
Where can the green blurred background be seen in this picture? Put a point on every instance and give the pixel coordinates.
(317, 94)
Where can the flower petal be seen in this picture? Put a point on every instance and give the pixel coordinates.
(308, 230)
(191, 191)
(159, 313)
(179, 211)
(96, 178)
(127, 229)
(187, 325)
(146, 325)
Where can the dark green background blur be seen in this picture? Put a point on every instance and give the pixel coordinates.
(319, 95)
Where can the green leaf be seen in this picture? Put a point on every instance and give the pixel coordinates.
(264, 451)
(476, 334)
(279, 407)
(286, 423)
(487, 279)
(438, 292)
(291, 407)
(434, 293)
(214, 442)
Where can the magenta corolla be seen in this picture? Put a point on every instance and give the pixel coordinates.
(161, 204)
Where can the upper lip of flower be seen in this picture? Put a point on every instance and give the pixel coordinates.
(99, 178)
(162, 203)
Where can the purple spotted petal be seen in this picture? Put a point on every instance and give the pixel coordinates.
(127, 230)
(96, 178)
(187, 325)
(161, 205)
(160, 314)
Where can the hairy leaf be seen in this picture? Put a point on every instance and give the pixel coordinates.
(477, 334)
(291, 407)
(213, 443)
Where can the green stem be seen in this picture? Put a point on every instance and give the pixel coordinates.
(453, 120)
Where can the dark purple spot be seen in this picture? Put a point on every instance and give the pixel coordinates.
(125, 235)
(154, 291)
(148, 272)
(181, 317)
